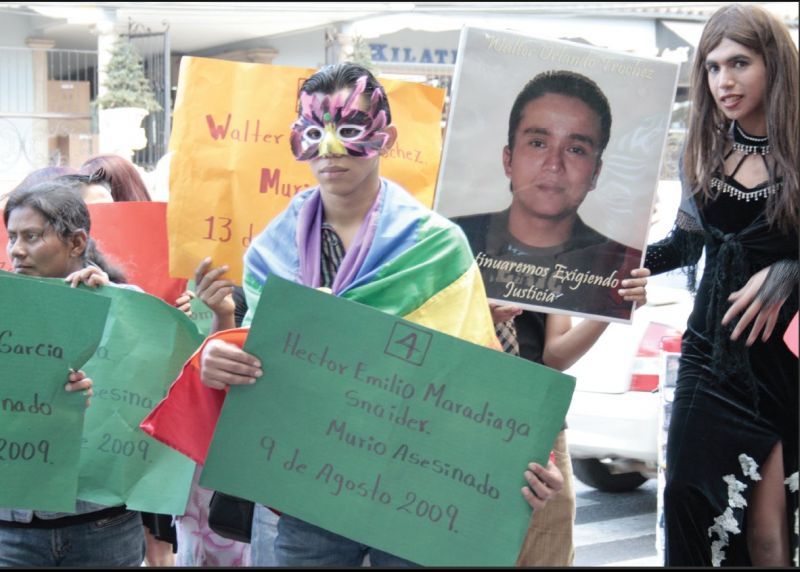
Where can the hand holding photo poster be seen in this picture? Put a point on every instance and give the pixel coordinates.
(396, 436)
(557, 210)
(233, 169)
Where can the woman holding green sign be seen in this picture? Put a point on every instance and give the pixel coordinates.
(48, 236)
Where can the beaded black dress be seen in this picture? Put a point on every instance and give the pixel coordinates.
(732, 403)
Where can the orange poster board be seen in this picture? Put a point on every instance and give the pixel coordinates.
(133, 237)
(232, 168)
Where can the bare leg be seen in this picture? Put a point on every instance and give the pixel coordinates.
(767, 530)
(158, 552)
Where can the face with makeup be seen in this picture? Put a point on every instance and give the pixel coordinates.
(737, 79)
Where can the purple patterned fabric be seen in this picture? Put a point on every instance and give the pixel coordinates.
(309, 231)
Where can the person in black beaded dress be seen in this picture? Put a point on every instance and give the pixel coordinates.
(732, 451)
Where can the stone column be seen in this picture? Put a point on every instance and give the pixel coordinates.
(106, 34)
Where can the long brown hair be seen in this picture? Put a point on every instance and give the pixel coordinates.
(760, 31)
(120, 175)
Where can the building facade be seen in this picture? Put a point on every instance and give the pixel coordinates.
(52, 55)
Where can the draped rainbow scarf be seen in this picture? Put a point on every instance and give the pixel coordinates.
(405, 260)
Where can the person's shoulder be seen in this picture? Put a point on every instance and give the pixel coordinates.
(608, 248)
(400, 203)
(599, 253)
(462, 226)
(288, 216)
(302, 196)
(471, 220)
(596, 240)
(478, 227)
(279, 233)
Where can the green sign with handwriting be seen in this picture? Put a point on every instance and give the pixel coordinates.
(45, 329)
(388, 433)
(145, 344)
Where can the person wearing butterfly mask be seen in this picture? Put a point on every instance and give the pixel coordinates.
(355, 234)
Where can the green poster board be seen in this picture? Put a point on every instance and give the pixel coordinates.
(388, 433)
(144, 346)
(45, 329)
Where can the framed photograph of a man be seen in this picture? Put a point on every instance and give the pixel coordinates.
(551, 161)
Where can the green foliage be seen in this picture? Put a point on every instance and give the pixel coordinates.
(126, 84)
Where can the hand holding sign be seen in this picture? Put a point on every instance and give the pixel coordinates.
(77, 381)
(215, 290)
(543, 484)
(223, 364)
(385, 425)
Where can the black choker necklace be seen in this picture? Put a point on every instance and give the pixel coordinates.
(748, 144)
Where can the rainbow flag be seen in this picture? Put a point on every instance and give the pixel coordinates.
(405, 260)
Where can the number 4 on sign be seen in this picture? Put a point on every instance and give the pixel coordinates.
(408, 343)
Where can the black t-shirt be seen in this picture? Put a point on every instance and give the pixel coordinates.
(579, 275)
(241, 305)
(530, 335)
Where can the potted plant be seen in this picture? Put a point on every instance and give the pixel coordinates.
(127, 100)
